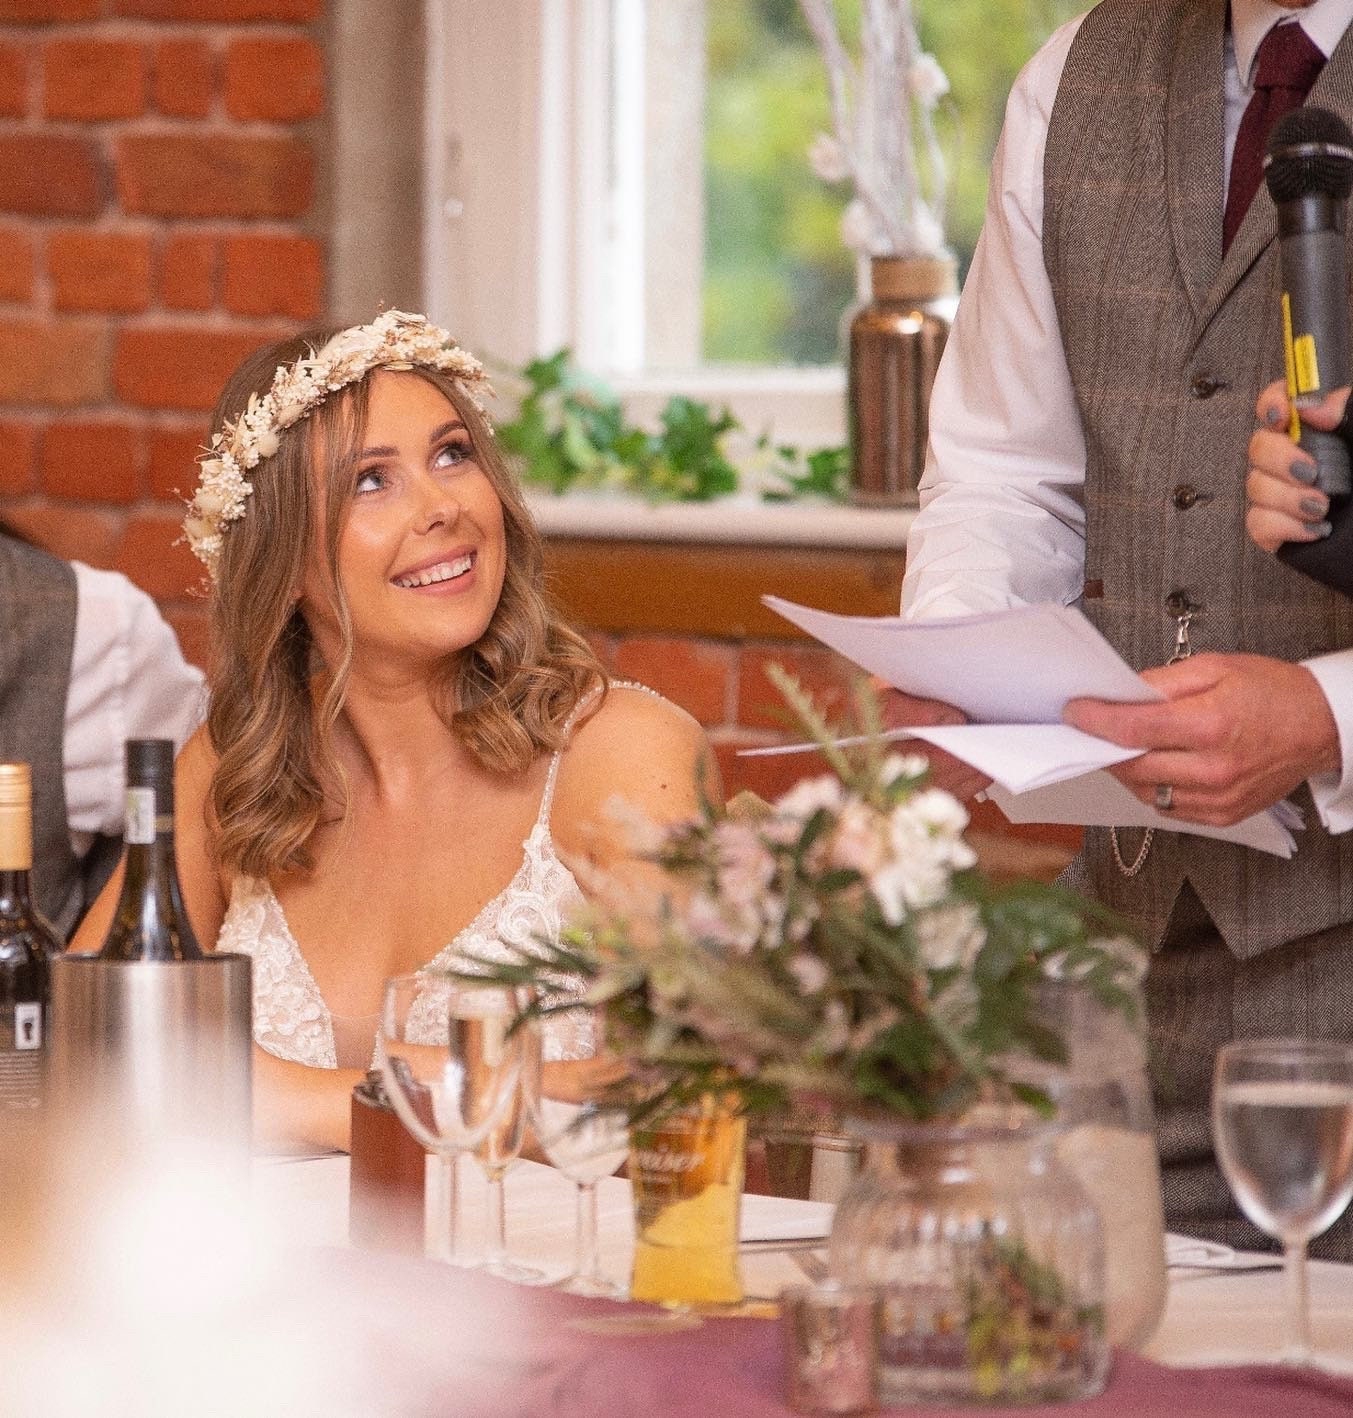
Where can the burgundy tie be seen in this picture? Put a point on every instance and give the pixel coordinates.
(1286, 66)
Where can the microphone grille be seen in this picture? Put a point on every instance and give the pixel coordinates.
(1310, 153)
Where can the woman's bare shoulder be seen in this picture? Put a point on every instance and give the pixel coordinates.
(638, 746)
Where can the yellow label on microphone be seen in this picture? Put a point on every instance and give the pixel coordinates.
(1307, 365)
(1290, 363)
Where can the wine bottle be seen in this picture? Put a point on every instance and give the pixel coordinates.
(27, 944)
(150, 922)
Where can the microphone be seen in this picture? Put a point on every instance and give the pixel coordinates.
(1309, 171)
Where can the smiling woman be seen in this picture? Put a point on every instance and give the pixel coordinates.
(405, 745)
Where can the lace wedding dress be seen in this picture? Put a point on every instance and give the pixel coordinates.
(291, 1019)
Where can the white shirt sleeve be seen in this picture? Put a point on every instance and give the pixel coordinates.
(128, 679)
(1333, 792)
(1002, 518)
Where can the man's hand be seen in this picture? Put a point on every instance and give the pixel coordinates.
(1284, 503)
(1236, 734)
(947, 772)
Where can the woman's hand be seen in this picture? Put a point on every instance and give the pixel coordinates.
(1284, 503)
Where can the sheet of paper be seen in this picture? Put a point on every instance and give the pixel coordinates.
(1009, 667)
(1024, 756)
(1013, 672)
(1100, 800)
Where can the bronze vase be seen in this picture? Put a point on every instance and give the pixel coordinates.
(895, 341)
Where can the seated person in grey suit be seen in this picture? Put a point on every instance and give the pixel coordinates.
(86, 661)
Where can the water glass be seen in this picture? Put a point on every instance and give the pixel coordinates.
(502, 1060)
(1282, 1117)
(586, 1141)
(430, 1052)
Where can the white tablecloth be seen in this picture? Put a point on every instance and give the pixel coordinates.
(1222, 1318)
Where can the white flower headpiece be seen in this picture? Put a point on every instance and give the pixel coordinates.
(394, 340)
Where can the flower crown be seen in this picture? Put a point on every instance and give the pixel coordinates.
(394, 340)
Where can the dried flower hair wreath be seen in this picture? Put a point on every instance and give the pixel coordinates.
(394, 340)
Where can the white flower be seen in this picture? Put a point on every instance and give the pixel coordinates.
(950, 937)
(827, 158)
(824, 794)
(903, 765)
(755, 458)
(913, 881)
(810, 973)
(927, 81)
(857, 226)
(209, 501)
(937, 810)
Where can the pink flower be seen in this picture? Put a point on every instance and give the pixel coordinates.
(860, 841)
(746, 868)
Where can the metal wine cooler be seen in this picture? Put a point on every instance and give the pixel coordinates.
(163, 1046)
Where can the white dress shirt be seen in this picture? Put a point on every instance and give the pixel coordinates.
(128, 679)
(1002, 520)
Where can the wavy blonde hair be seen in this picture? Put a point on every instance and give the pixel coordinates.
(507, 698)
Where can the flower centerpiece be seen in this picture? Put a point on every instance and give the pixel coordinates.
(837, 946)
(839, 949)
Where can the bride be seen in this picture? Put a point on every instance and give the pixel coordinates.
(405, 745)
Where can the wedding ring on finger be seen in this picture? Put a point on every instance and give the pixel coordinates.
(1164, 797)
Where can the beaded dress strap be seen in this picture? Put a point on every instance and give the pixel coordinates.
(547, 798)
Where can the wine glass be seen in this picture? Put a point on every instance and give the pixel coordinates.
(428, 1061)
(586, 1141)
(1282, 1116)
(501, 1064)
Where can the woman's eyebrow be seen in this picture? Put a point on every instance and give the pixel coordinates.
(386, 451)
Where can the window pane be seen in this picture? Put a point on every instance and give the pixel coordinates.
(777, 276)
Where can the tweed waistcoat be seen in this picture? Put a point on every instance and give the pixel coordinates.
(1168, 345)
(37, 633)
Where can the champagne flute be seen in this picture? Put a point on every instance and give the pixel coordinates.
(1282, 1115)
(501, 1067)
(428, 1068)
(586, 1141)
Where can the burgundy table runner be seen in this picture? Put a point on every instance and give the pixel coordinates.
(456, 1344)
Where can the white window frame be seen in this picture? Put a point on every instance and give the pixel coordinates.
(534, 220)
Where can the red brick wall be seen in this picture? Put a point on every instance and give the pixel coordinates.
(158, 175)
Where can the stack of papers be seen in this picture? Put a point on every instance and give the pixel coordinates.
(1012, 673)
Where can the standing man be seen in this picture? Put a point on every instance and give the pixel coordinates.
(1088, 445)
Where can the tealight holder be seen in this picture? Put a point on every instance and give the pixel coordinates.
(831, 1347)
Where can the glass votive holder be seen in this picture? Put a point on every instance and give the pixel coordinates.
(831, 1333)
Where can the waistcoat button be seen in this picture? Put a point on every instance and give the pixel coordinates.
(1204, 386)
(1185, 495)
(1177, 602)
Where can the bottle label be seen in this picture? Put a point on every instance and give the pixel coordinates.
(20, 1058)
(140, 816)
(27, 1027)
